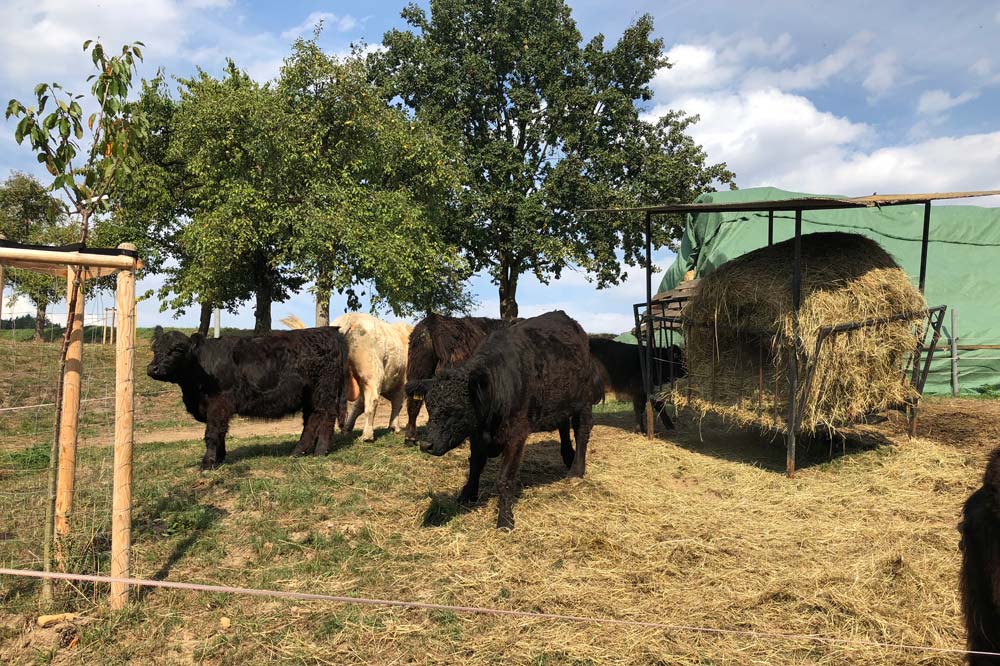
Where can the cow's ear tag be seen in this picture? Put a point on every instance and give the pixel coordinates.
(418, 397)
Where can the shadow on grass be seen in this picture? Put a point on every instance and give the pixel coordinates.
(542, 465)
(279, 449)
(767, 450)
(180, 511)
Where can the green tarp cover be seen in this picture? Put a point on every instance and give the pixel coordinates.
(963, 263)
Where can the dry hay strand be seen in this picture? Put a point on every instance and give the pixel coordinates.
(739, 341)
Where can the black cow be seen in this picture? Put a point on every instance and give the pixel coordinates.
(980, 577)
(266, 376)
(534, 375)
(620, 369)
(439, 342)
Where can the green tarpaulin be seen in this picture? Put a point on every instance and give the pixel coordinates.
(963, 263)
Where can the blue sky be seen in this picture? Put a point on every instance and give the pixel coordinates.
(845, 98)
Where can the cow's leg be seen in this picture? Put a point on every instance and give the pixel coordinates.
(565, 445)
(510, 465)
(356, 409)
(639, 409)
(218, 413)
(325, 424)
(370, 394)
(412, 412)
(398, 398)
(582, 425)
(661, 407)
(477, 461)
(308, 438)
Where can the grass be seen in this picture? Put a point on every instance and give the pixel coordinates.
(698, 528)
(681, 531)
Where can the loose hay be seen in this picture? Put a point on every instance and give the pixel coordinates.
(738, 343)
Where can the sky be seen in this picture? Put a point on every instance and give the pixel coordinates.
(836, 98)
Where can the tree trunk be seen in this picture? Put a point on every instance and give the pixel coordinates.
(508, 293)
(322, 307)
(39, 323)
(205, 322)
(262, 309)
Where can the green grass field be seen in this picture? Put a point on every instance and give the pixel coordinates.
(696, 528)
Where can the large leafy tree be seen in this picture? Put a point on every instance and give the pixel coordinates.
(30, 214)
(547, 126)
(252, 190)
(376, 192)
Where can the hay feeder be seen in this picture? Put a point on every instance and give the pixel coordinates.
(659, 320)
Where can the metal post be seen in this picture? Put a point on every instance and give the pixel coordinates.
(923, 245)
(770, 228)
(793, 361)
(954, 354)
(218, 322)
(649, 325)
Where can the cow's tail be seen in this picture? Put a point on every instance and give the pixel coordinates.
(596, 384)
(293, 322)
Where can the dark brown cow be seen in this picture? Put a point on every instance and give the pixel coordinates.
(980, 575)
(267, 376)
(532, 376)
(439, 342)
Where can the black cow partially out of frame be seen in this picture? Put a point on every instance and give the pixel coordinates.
(535, 375)
(264, 376)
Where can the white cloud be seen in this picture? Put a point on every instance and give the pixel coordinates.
(982, 67)
(814, 75)
(694, 68)
(762, 133)
(340, 23)
(883, 74)
(933, 102)
(43, 40)
(209, 4)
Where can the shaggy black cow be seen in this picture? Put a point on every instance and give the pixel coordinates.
(439, 342)
(266, 376)
(980, 575)
(532, 376)
(621, 372)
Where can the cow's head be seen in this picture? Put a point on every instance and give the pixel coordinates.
(173, 353)
(451, 409)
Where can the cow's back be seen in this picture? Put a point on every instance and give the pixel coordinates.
(375, 349)
(550, 357)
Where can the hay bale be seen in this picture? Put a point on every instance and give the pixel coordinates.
(739, 340)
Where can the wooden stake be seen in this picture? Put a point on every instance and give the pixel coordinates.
(70, 419)
(104, 328)
(2, 285)
(121, 512)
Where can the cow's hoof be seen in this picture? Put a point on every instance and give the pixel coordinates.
(574, 474)
(505, 523)
(368, 438)
(410, 442)
(207, 465)
(321, 451)
(467, 499)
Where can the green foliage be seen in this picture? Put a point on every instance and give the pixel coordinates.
(29, 214)
(84, 174)
(254, 190)
(547, 126)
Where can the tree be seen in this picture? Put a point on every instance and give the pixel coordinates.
(376, 191)
(29, 214)
(254, 190)
(547, 126)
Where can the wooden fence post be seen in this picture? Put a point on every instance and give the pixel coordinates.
(70, 418)
(2, 285)
(121, 512)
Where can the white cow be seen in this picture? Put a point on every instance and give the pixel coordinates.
(376, 355)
